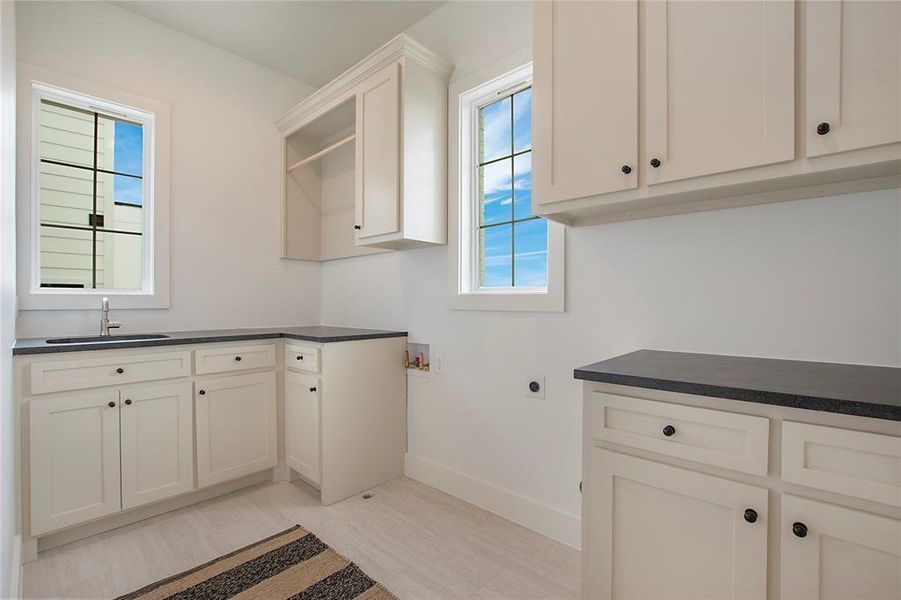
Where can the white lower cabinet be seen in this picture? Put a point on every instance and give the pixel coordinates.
(836, 552)
(302, 413)
(237, 427)
(96, 453)
(74, 459)
(157, 442)
(655, 531)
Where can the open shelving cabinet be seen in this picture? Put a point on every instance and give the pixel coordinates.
(364, 159)
(319, 188)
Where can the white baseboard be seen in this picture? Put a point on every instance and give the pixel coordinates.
(528, 512)
(15, 569)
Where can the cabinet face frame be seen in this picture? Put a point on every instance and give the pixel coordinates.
(777, 80)
(105, 486)
(605, 467)
(570, 166)
(801, 561)
(134, 456)
(829, 43)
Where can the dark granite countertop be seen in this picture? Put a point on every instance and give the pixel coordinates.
(313, 333)
(861, 390)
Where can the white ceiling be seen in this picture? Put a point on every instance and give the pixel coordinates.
(313, 41)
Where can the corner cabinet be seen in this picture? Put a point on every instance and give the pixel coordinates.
(365, 158)
(715, 122)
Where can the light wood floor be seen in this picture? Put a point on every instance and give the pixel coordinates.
(417, 541)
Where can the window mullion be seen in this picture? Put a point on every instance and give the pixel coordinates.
(94, 209)
(512, 202)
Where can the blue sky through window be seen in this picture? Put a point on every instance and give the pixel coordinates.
(128, 157)
(512, 242)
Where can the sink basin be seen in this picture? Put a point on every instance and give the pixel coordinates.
(108, 338)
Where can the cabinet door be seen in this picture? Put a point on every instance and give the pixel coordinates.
(157, 442)
(655, 531)
(853, 61)
(236, 427)
(719, 81)
(302, 416)
(584, 98)
(74, 459)
(844, 553)
(378, 149)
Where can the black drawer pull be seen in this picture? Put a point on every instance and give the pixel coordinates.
(669, 431)
(312, 389)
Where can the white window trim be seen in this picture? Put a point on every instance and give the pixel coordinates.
(465, 96)
(41, 84)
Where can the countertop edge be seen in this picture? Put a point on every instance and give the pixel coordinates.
(832, 405)
(234, 337)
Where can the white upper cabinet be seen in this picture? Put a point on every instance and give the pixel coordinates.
(378, 148)
(853, 58)
(365, 158)
(730, 96)
(584, 98)
(719, 84)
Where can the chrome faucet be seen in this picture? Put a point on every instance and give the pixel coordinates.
(105, 323)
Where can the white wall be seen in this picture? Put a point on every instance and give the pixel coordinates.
(9, 567)
(813, 279)
(225, 180)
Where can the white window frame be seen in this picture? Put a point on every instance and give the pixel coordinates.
(466, 96)
(43, 84)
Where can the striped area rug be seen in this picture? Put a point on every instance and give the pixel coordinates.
(293, 564)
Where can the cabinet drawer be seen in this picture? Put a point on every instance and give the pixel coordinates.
(855, 463)
(234, 358)
(713, 437)
(61, 375)
(302, 358)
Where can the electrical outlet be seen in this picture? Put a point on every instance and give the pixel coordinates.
(437, 365)
(535, 386)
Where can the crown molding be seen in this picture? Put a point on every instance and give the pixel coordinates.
(341, 87)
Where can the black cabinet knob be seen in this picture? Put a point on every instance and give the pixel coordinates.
(120, 370)
(799, 529)
(300, 357)
(750, 515)
(626, 169)
(202, 392)
(655, 162)
(128, 402)
(358, 227)
(112, 404)
(669, 430)
(534, 387)
(823, 128)
(312, 389)
(238, 358)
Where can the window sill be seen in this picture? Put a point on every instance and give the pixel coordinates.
(509, 301)
(91, 301)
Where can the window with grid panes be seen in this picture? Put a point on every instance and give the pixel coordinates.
(91, 214)
(512, 243)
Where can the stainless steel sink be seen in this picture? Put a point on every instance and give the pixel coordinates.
(108, 338)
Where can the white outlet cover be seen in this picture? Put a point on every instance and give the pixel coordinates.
(541, 382)
(437, 365)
